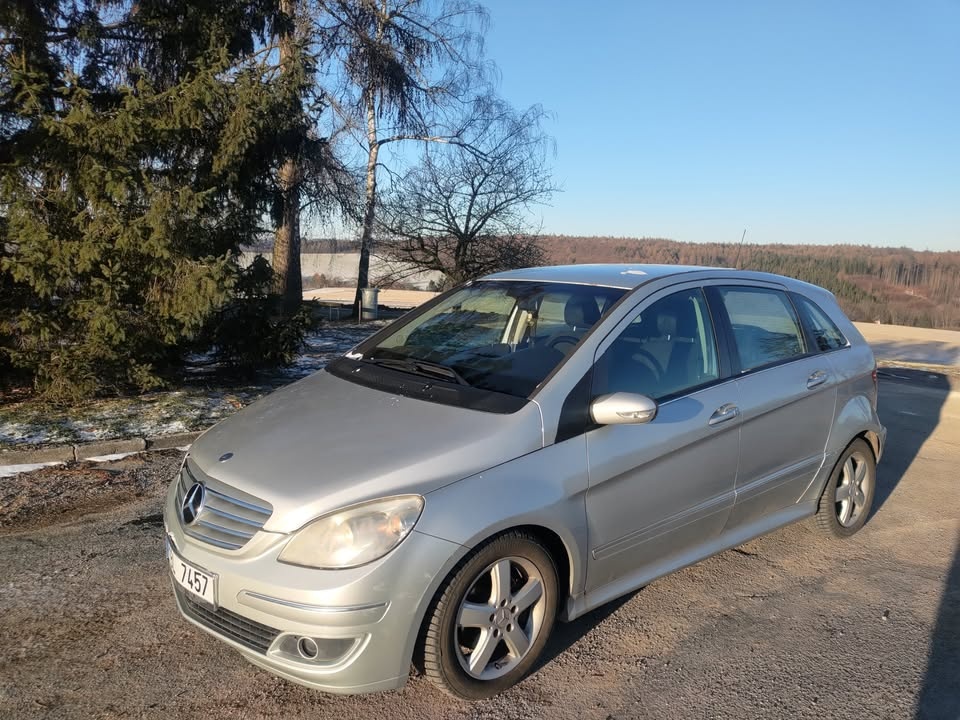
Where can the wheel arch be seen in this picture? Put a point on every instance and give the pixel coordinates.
(559, 552)
(873, 440)
(549, 538)
(826, 514)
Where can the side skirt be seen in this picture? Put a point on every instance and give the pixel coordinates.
(731, 538)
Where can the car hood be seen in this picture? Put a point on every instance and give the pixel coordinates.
(324, 443)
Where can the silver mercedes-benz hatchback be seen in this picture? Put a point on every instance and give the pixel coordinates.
(523, 448)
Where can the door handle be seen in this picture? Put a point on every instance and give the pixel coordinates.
(817, 378)
(724, 413)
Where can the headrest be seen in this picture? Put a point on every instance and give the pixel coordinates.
(667, 324)
(580, 312)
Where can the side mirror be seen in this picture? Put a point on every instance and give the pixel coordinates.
(623, 409)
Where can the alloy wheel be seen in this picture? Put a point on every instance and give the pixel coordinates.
(500, 618)
(852, 489)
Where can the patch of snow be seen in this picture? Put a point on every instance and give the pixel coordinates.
(174, 411)
(18, 433)
(11, 470)
(328, 343)
(111, 457)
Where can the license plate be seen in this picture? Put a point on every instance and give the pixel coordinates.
(199, 583)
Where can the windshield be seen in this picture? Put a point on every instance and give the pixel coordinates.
(500, 336)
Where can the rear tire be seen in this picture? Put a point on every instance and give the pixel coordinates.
(848, 496)
(491, 618)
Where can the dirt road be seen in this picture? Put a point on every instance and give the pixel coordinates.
(911, 344)
(791, 625)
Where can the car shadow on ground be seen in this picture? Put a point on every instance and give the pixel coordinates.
(940, 695)
(908, 425)
(567, 634)
(911, 419)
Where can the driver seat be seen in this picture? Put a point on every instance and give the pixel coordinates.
(580, 313)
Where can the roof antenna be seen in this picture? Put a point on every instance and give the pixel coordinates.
(736, 262)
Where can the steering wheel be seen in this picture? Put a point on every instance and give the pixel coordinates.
(563, 340)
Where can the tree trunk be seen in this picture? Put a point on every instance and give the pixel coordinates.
(370, 205)
(288, 281)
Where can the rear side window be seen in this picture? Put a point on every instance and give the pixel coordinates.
(826, 335)
(765, 326)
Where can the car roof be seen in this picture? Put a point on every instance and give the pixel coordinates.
(627, 276)
(633, 275)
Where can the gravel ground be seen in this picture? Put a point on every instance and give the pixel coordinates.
(61, 493)
(790, 625)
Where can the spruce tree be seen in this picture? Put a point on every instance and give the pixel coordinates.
(138, 147)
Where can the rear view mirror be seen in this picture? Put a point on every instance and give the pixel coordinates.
(623, 409)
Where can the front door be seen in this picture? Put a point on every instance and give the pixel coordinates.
(663, 489)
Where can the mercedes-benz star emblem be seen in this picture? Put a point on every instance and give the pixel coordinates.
(193, 503)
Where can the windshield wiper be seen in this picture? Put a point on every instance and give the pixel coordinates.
(424, 368)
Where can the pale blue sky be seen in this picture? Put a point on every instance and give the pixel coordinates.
(826, 122)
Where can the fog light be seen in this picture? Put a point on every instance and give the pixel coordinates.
(307, 647)
(318, 651)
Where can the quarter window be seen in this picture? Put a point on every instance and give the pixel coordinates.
(668, 349)
(826, 335)
(765, 326)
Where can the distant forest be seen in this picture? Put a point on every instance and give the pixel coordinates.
(891, 285)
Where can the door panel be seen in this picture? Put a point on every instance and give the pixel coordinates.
(784, 434)
(661, 488)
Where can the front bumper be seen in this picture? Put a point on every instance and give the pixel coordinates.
(364, 621)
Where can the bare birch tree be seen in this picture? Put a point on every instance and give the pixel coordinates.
(407, 66)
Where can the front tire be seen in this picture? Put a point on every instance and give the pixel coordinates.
(848, 496)
(491, 618)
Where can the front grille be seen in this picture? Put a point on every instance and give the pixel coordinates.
(223, 622)
(225, 520)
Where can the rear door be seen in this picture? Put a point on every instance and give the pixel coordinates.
(664, 489)
(787, 397)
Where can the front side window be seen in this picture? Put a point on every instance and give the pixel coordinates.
(826, 335)
(500, 336)
(668, 349)
(765, 327)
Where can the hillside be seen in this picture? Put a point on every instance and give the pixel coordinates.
(893, 285)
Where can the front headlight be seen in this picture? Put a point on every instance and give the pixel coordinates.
(354, 536)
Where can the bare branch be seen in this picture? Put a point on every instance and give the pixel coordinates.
(465, 210)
